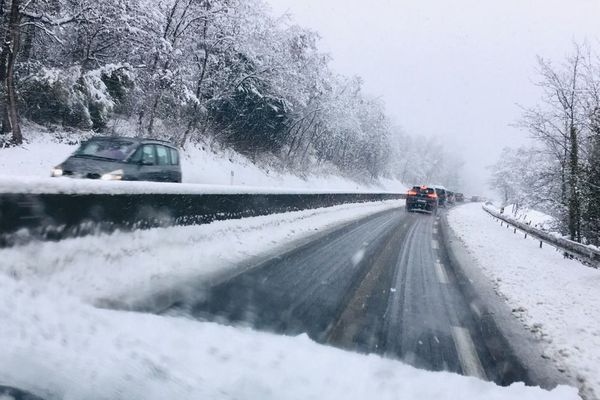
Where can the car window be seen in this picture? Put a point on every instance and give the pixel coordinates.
(148, 154)
(106, 148)
(162, 154)
(88, 149)
(137, 156)
(174, 157)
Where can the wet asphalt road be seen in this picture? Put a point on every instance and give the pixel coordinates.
(381, 285)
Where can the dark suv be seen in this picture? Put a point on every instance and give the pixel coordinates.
(122, 158)
(422, 198)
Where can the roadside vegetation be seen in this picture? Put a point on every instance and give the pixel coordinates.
(560, 174)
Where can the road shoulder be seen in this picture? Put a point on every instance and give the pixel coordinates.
(489, 303)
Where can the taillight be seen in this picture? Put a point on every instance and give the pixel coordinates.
(432, 196)
(412, 193)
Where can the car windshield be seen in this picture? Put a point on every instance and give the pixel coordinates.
(263, 199)
(116, 149)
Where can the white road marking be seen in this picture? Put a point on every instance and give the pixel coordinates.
(475, 309)
(435, 231)
(440, 271)
(358, 256)
(435, 244)
(467, 355)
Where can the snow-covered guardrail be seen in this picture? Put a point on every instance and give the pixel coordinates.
(586, 254)
(53, 216)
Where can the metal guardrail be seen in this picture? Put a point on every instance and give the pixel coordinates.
(581, 252)
(24, 217)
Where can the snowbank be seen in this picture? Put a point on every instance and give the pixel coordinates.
(535, 218)
(556, 298)
(230, 168)
(27, 167)
(34, 159)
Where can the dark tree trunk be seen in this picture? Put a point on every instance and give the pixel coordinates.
(592, 198)
(574, 189)
(29, 36)
(3, 56)
(193, 124)
(11, 49)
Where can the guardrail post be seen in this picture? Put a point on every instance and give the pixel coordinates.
(541, 244)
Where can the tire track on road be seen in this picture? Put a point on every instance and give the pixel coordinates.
(385, 285)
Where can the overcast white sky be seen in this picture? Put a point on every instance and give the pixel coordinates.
(454, 69)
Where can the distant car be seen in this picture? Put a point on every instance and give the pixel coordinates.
(460, 197)
(475, 199)
(422, 198)
(123, 158)
(450, 198)
(442, 195)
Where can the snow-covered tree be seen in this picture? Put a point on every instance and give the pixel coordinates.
(560, 175)
(559, 125)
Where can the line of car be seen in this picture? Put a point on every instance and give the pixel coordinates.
(429, 198)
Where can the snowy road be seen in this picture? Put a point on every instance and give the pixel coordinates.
(383, 284)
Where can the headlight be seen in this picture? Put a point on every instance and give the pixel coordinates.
(113, 176)
(56, 172)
